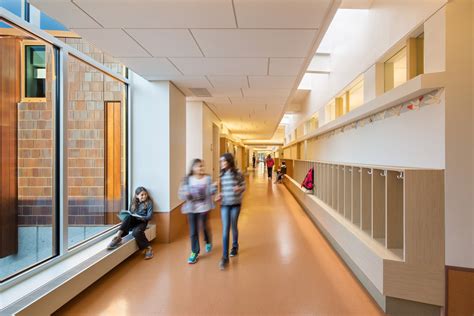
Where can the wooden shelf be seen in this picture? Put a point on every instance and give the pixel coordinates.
(418, 86)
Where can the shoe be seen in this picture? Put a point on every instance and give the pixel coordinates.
(234, 252)
(114, 243)
(223, 263)
(148, 253)
(193, 258)
(208, 247)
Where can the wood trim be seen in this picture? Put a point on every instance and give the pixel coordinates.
(462, 299)
(113, 133)
(169, 225)
(9, 97)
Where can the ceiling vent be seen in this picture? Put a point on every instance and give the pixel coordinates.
(200, 92)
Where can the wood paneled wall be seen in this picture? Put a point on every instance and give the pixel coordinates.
(113, 133)
(9, 98)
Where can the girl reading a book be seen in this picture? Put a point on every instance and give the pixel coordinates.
(136, 220)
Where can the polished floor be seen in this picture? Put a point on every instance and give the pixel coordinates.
(285, 267)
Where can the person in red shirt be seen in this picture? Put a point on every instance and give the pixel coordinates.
(270, 163)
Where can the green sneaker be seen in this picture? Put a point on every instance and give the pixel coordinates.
(193, 258)
(208, 247)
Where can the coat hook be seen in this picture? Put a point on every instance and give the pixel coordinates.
(360, 170)
(370, 171)
(384, 173)
(401, 175)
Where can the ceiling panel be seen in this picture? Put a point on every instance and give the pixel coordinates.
(66, 12)
(219, 92)
(281, 13)
(166, 43)
(254, 43)
(151, 68)
(114, 41)
(272, 82)
(161, 13)
(273, 100)
(285, 66)
(213, 100)
(229, 82)
(266, 92)
(221, 66)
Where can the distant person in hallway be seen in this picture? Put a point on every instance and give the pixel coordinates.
(270, 163)
(232, 188)
(253, 160)
(281, 172)
(197, 190)
(136, 220)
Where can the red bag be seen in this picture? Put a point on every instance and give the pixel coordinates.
(308, 182)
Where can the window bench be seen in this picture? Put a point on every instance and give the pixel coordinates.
(48, 290)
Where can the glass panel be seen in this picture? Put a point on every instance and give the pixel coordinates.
(35, 71)
(27, 165)
(330, 111)
(96, 150)
(356, 95)
(50, 24)
(14, 6)
(396, 70)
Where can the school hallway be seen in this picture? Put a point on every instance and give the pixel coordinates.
(284, 266)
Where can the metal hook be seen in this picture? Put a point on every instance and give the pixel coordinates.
(401, 176)
(384, 173)
(371, 171)
(360, 170)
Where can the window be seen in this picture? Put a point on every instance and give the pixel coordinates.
(96, 151)
(28, 163)
(35, 72)
(355, 95)
(314, 122)
(14, 6)
(330, 111)
(395, 70)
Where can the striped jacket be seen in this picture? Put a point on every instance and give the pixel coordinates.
(228, 182)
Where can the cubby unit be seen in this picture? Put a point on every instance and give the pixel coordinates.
(394, 219)
(340, 189)
(378, 205)
(356, 195)
(348, 192)
(366, 200)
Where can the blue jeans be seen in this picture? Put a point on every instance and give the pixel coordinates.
(195, 220)
(229, 216)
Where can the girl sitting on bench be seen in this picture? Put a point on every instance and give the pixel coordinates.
(136, 220)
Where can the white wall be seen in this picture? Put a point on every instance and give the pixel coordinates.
(199, 132)
(158, 139)
(356, 39)
(194, 130)
(208, 120)
(413, 139)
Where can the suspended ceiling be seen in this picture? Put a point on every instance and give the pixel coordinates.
(249, 54)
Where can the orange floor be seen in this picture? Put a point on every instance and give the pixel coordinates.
(284, 267)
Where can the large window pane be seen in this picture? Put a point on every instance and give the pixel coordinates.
(96, 150)
(27, 165)
(14, 6)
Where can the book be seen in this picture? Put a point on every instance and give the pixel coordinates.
(124, 213)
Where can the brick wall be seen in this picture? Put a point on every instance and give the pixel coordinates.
(35, 156)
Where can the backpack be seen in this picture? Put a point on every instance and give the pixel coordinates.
(308, 183)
